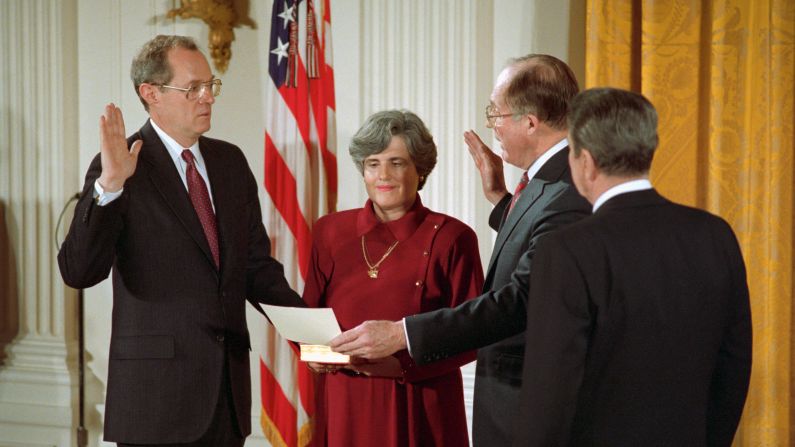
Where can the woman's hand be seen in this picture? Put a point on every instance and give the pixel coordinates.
(323, 368)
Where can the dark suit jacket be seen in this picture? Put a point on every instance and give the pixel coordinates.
(638, 330)
(497, 318)
(175, 316)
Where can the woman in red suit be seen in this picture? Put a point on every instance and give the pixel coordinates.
(392, 258)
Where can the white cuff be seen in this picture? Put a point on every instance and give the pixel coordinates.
(103, 198)
(406, 334)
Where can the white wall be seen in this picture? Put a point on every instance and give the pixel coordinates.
(436, 58)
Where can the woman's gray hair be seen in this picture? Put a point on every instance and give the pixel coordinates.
(151, 65)
(377, 131)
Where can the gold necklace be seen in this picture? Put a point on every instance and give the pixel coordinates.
(372, 270)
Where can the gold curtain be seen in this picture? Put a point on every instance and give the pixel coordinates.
(720, 74)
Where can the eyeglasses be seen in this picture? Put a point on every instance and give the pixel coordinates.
(492, 115)
(195, 92)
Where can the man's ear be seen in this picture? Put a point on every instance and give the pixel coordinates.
(149, 93)
(590, 169)
(533, 123)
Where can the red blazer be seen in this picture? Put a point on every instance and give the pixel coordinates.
(175, 316)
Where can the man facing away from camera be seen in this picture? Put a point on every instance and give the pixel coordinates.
(638, 318)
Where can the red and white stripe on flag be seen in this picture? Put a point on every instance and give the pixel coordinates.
(301, 181)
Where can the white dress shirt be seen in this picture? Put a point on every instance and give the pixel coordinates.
(630, 186)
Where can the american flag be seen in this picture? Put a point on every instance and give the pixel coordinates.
(301, 180)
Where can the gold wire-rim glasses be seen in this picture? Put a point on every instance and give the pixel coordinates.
(492, 115)
(196, 91)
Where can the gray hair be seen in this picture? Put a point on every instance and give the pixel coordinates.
(617, 127)
(544, 86)
(377, 131)
(151, 65)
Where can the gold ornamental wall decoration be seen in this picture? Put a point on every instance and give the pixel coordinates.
(220, 16)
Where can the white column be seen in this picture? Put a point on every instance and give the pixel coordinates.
(37, 149)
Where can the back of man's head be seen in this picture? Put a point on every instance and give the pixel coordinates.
(151, 65)
(617, 127)
(543, 85)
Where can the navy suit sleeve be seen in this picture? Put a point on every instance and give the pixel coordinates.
(497, 314)
(497, 216)
(89, 249)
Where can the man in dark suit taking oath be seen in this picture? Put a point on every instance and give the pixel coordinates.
(175, 217)
(527, 111)
(638, 318)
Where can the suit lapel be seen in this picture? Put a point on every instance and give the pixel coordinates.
(528, 207)
(165, 177)
(522, 207)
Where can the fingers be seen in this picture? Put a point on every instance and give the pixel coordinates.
(118, 160)
(343, 339)
(316, 367)
(116, 119)
(358, 342)
(372, 340)
(112, 122)
(323, 368)
(471, 139)
(136, 148)
(475, 144)
(111, 119)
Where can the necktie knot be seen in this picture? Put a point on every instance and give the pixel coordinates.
(187, 155)
(518, 191)
(522, 181)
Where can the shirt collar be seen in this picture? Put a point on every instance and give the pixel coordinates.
(539, 163)
(401, 228)
(621, 188)
(174, 148)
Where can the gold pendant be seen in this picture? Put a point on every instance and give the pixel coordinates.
(372, 273)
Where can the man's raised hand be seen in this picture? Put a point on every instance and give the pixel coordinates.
(118, 162)
(489, 165)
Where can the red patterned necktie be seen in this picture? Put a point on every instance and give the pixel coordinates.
(518, 191)
(197, 190)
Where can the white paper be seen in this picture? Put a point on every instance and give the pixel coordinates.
(316, 326)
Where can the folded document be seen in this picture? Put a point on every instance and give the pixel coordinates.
(313, 328)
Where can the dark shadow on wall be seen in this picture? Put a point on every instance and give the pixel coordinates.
(9, 294)
(577, 10)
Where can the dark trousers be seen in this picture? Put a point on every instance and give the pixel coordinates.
(223, 431)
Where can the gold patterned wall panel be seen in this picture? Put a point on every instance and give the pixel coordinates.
(608, 53)
(721, 76)
(750, 173)
(670, 66)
